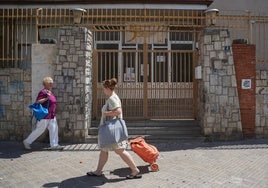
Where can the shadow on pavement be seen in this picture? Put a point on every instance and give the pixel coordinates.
(15, 149)
(87, 181)
(123, 172)
(81, 182)
(216, 145)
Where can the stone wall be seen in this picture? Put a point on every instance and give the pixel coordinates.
(70, 65)
(15, 90)
(219, 111)
(73, 78)
(261, 100)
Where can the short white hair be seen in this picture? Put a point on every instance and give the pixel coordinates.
(47, 80)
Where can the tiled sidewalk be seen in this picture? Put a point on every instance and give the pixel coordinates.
(188, 164)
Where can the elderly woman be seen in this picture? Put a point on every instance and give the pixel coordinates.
(48, 100)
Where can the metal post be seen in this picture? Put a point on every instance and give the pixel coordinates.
(145, 76)
(249, 28)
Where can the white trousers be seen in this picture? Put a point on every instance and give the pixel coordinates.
(41, 126)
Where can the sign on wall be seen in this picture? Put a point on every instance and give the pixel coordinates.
(246, 83)
(139, 32)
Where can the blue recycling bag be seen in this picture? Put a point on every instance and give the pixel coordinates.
(39, 112)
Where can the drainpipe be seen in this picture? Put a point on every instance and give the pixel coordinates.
(252, 22)
(249, 27)
(36, 24)
(251, 31)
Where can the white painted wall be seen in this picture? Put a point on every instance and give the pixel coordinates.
(258, 28)
(44, 57)
(242, 5)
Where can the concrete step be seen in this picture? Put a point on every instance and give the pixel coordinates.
(157, 130)
(155, 123)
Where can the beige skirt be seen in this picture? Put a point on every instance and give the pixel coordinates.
(120, 145)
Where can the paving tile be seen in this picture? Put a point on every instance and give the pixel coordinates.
(181, 164)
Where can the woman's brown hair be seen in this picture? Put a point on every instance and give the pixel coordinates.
(111, 83)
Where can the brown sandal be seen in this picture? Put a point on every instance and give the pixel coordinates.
(93, 174)
(138, 176)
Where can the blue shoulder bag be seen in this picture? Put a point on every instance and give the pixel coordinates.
(112, 131)
(39, 112)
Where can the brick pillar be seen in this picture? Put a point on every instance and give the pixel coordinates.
(245, 67)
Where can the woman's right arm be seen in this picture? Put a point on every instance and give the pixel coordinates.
(42, 100)
(43, 96)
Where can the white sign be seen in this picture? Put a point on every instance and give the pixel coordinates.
(198, 72)
(129, 76)
(160, 58)
(246, 83)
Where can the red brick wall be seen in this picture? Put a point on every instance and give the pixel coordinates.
(245, 68)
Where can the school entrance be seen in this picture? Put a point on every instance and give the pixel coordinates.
(154, 66)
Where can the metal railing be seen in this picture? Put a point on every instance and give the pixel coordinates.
(252, 27)
(19, 28)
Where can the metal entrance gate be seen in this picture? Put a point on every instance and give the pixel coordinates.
(152, 84)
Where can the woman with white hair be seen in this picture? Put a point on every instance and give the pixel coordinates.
(48, 100)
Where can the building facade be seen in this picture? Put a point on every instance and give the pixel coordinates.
(153, 49)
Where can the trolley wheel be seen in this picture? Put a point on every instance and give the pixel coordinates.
(154, 167)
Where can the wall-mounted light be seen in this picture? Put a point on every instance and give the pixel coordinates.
(38, 10)
(77, 14)
(211, 15)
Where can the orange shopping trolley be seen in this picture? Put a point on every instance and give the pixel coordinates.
(147, 152)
